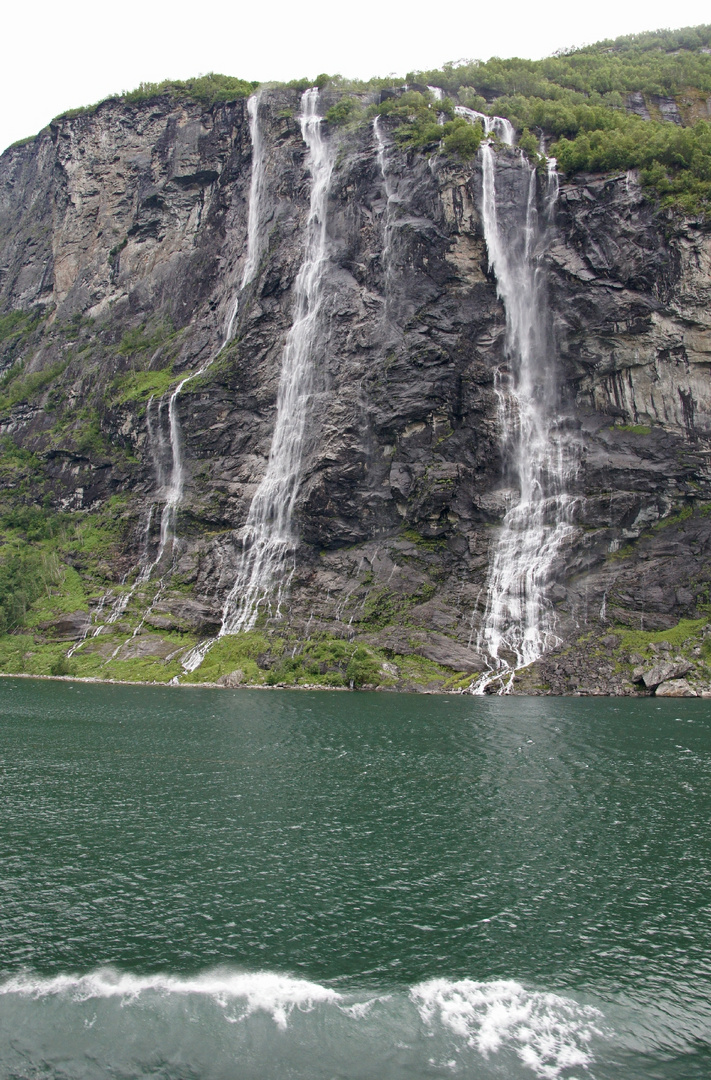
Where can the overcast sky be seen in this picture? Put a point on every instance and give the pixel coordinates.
(59, 55)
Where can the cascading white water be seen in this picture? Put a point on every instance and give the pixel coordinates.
(540, 459)
(380, 143)
(268, 536)
(391, 199)
(256, 191)
(493, 125)
(438, 94)
(254, 212)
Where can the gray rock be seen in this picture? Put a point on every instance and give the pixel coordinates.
(448, 653)
(660, 673)
(144, 645)
(184, 613)
(234, 679)
(675, 688)
(71, 627)
(433, 646)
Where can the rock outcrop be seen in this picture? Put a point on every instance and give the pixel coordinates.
(123, 239)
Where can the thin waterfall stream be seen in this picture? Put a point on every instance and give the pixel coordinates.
(390, 201)
(171, 482)
(173, 492)
(268, 539)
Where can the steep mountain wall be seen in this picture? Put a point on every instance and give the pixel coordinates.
(123, 238)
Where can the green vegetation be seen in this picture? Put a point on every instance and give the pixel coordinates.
(418, 128)
(678, 636)
(346, 111)
(15, 389)
(118, 248)
(633, 429)
(426, 543)
(206, 89)
(664, 63)
(258, 659)
(579, 99)
(15, 324)
(25, 574)
(37, 580)
(326, 661)
(140, 345)
(233, 653)
(674, 162)
(141, 339)
(141, 385)
(15, 328)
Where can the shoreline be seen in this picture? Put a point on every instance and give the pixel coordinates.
(220, 686)
(309, 686)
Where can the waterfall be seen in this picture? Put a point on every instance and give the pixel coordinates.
(268, 536)
(493, 125)
(171, 483)
(173, 493)
(518, 625)
(256, 191)
(438, 94)
(254, 212)
(391, 199)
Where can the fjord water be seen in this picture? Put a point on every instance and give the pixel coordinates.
(247, 884)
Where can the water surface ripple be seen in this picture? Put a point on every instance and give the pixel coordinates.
(352, 885)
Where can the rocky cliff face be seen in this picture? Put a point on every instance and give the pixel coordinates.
(123, 239)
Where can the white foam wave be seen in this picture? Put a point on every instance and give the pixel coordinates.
(263, 991)
(549, 1033)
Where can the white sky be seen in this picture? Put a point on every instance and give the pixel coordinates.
(58, 55)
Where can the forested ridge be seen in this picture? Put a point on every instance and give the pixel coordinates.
(638, 102)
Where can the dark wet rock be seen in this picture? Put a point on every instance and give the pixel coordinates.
(182, 613)
(71, 627)
(135, 217)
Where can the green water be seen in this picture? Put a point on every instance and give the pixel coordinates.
(245, 884)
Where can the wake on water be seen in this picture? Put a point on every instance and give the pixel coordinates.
(463, 1027)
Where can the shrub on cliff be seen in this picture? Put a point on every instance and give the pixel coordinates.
(674, 162)
(345, 111)
(462, 138)
(207, 89)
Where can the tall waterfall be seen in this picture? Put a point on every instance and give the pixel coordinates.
(390, 200)
(268, 536)
(539, 457)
